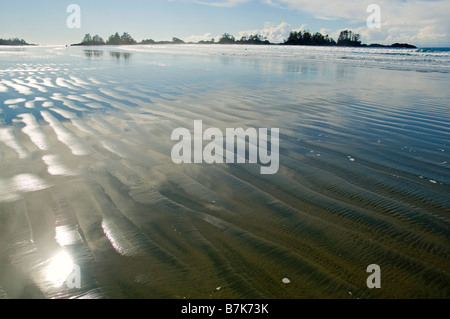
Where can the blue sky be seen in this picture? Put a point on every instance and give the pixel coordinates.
(420, 22)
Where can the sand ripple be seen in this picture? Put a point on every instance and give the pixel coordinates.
(86, 169)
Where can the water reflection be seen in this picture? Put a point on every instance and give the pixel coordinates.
(61, 266)
(292, 66)
(13, 49)
(93, 53)
(120, 55)
(342, 72)
(67, 235)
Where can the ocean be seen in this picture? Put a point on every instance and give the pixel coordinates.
(92, 204)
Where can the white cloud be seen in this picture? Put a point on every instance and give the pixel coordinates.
(418, 21)
(272, 3)
(225, 3)
(273, 33)
(205, 37)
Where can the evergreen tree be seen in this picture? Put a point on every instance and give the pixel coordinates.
(114, 39)
(348, 38)
(306, 38)
(97, 40)
(127, 39)
(227, 39)
(87, 39)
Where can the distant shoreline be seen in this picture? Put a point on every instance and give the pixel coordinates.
(252, 40)
(303, 38)
(375, 45)
(15, 42)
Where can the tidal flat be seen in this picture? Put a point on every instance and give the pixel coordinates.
(86, 170)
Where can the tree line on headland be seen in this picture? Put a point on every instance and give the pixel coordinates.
(124, 39)
(14, 41)
(127, 39)
(346, 38)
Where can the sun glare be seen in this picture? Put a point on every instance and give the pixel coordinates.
(61, 266)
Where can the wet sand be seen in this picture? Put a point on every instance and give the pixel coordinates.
(85, 168)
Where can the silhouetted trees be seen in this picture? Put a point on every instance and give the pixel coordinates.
(87, 39)
(227, 39)
(403, 45)
(206, 42)
(346, 38)
(125, 39)
(395, 45)
(177, 41)
(306, 38)
(14, 41)
(151, 41)
(115, 39)
(349, 39)
(95, 40)
(253, 39)
(320, 39)
(148, 41)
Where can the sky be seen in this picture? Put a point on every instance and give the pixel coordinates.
(419, 22)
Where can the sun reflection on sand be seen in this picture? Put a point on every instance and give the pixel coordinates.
(61, 266)
(67, 235)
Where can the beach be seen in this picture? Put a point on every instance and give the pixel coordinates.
(86, 170)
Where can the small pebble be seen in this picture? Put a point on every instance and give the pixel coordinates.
(286, 280)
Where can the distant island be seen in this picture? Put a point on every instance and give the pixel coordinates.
(346, 39)
(395, 45)
(124, 39)
(14, 41)
(127, 39)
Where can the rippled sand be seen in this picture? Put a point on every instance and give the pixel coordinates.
(85, 168)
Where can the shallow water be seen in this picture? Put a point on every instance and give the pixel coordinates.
(85, 145)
